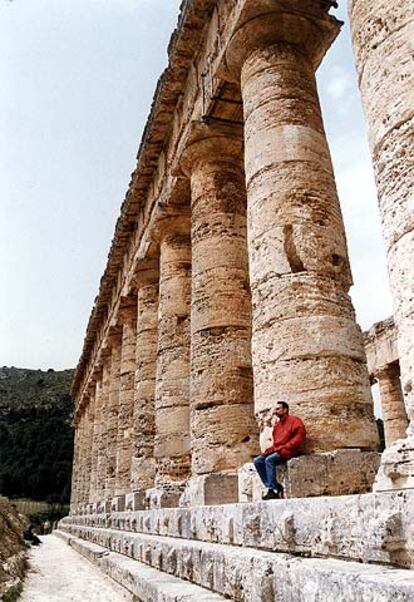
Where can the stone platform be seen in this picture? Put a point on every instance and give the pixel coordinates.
(358, 547)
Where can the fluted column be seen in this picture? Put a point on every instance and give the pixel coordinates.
(103, 428)
(307, 348)
(392, 403)
(128, 316)
(383, 34)
(96, 434)
(143, 461)
(114, 341)
(172, 396)
(223, 428)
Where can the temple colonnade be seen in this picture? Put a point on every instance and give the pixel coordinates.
(227, 285)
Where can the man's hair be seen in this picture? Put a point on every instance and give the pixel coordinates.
(284, 405)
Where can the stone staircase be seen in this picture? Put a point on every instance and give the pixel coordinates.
(357, 548)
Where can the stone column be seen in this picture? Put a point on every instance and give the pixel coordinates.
(103, 429)
(172, 394)
(383, 34)
(80, 480)
(114, 341)
(90, 416)
(223, 428)
(143, 461)
(392, 403)
(84, 455)
(307, 348)
(94, 494)
(128, 317)
(75, 472)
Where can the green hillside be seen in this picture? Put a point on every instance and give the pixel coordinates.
(36, 436)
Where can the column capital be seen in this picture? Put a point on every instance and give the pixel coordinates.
(127, 311)
(387, 371)
(175, 225)
(146, 272)
(208, 142)
(305, 25)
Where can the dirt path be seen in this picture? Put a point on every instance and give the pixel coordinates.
(59, 574)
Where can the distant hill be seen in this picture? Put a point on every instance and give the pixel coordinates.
(36, 436)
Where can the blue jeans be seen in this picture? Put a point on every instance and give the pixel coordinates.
(266, 468)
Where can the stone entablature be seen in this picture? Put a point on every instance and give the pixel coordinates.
(381, 345)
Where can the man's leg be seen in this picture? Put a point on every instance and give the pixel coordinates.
(271, 461)
(260, 466)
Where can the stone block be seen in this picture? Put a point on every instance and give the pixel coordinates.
(397, 467)
(118, 503)
(135, 501)
(210, 490)
(382, 526)
(341, 472)
(243, 574)
(163, 497)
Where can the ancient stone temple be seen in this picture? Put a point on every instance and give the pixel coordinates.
(227, 289)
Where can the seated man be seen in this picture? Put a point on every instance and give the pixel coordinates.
(288, 434)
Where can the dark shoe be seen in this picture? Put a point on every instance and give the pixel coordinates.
(280, 492)
(270, 495)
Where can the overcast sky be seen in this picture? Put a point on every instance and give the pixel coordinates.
(77, 79)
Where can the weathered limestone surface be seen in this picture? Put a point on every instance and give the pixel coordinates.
(74, 497)
(223, 431)
(381, 349)
(143, 462)
(381, 345)
(383, 36)
(112, 415)
(306, 345)
(144, 582)
(102, 468)
(95, 442)
(341, 472)
(172, 397)
(382, 527)
(247, 575)
(392, 403)
(126, 398)
(236, 126)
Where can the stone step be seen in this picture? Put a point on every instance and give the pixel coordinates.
(368, 528)
(248, 575)
(145, 583)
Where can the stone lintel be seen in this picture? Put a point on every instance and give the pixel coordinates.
(210, 490)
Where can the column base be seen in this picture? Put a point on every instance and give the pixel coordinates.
(118, 503)
(210, 490)
(396, 471)
(341, 472)
(167, 496)
(135, 501)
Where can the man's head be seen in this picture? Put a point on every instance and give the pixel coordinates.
(281, 409)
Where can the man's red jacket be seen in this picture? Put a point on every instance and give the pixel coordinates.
(288, 435)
